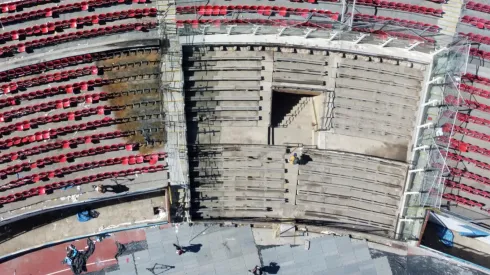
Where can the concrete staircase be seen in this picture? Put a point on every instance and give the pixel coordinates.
(295, 111)
(452, 13)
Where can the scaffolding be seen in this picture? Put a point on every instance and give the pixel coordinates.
(173, 105)
(350, 25)
(435, 123)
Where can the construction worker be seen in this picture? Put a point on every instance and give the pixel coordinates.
(179, 249)
(292, 158)
(257, 270)
(99, 188)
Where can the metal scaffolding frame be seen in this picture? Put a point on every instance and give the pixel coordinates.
(425, 180)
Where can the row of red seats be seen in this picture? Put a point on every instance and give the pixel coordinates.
(14, 5)
(402, 22)
(68, 8)
(41, 190)
(26, 166)
(467, 118)
(477, 79)
(450, 99)
(462, 173)
(152, 159)
(217, 22)
(52, 105)
(57, 64)
(56, 39)
(467, 188)
(460, 158)
(463, 146)
(67, 116)
(465, 201)
(467, 132)
(477, 37)
(401, 7)
(51, 27)
(65, 144)
(63, 89)
(210, 10)
(48, 78)
(476, 22)
(383, 35)
(314, 1)
(471, 5)
(53, 133)
(474, 91)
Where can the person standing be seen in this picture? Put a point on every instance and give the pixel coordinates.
(179, 249)
(100, 188)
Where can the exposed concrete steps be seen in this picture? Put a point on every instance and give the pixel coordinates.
(452, 13)
(295, 111)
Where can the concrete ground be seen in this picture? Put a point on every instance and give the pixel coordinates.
(115, 214)
(214, 249)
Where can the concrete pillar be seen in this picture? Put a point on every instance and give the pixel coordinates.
(291, 178)
(419, 66)
(350, 56)
(320, 52)
(376, 59)
(275, 49)
(245, 48)
(257, 48)
(364, 58)
(304, 51)
(287, 50)
(266, 92)
(407, 64)
(390, 61)
(221, 48)
(232, 48)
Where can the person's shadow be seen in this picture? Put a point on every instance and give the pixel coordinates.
(118, 188)
(272, 268)
(194, 248)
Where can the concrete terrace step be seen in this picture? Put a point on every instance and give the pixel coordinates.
(295, 111)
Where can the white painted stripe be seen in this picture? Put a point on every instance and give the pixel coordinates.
(69, 269)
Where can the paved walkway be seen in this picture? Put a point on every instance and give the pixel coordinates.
(232, 250)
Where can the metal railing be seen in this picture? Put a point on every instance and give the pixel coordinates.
(425, 179)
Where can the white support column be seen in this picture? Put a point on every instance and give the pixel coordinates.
(427, 125)
(281, 31)
(308, 32)
(230, 29)
(361, 37)
(412, 193)
(438, 51)
(256, 29)
(333, 35)
(423, 147)
(435, 80)
(387, 42)
(352, 14)
(416, 170)
(204, 29)
(433, 102)
(414, 45)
